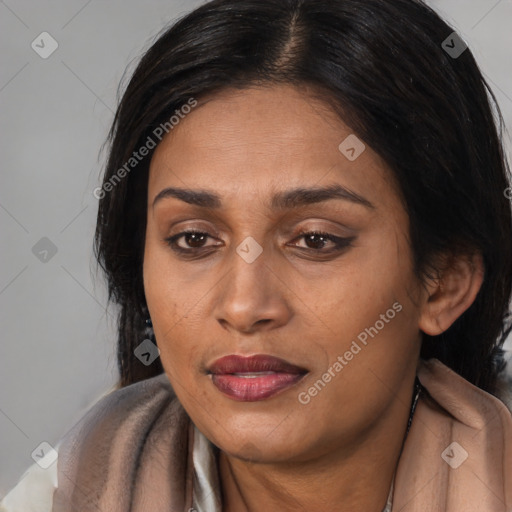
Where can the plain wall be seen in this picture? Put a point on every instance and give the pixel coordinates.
(57, 352)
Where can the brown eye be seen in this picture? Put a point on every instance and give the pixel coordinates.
(317, 240)
(193, 240)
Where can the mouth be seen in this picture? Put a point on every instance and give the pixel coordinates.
(253, 378)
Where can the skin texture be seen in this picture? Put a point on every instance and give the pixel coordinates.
(296, 301)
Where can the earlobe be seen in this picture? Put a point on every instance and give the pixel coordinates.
(448, 297)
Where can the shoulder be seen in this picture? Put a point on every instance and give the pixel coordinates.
(36, 487)
(463, 400)
(120, 441)
(458, 449)
(33, 492)
(504, 388)
(119, 406)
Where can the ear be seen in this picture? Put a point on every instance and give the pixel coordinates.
(449, 295)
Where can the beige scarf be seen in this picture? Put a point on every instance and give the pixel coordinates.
(132, 452)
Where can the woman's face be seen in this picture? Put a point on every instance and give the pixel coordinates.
(332, 316)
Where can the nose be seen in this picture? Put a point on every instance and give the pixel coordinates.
(254, 296)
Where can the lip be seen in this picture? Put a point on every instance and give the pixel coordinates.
(253, 378)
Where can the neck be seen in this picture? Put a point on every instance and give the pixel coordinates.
(343, 479)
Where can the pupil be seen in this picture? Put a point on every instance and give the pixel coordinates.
(312, 237)
(195, 238)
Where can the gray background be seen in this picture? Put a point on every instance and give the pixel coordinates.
(57, 352)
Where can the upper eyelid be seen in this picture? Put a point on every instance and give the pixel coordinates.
(302, 232)
(196, 225)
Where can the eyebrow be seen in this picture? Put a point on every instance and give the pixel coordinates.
(287, 199)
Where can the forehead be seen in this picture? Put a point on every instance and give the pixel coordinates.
(241, 142)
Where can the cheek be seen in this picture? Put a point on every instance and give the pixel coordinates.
(363, 287)
(177, 300)
(170, 288)
(167, 304)
(373, 323)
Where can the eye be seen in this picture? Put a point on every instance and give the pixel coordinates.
(194, 241)
(192, 238)
(319, 239)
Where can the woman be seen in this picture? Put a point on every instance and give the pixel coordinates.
(304, 208)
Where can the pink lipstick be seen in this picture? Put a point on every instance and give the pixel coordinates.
(253, 378)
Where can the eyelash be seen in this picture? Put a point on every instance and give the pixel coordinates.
(339, 242)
